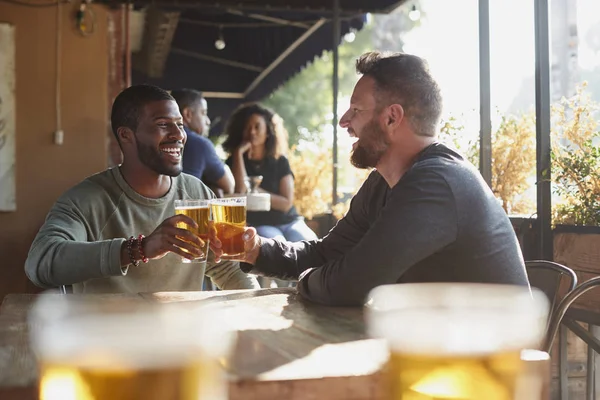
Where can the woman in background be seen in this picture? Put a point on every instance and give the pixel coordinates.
(257, 142)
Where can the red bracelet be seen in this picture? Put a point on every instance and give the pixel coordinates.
(140, 250)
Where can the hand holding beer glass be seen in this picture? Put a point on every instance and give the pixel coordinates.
(118, 349)
(456, 340)
(199, 211)
(229, 218)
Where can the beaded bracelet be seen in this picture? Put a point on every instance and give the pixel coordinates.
(140, 249)
(130, 252)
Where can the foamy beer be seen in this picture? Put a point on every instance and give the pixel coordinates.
(229, 216)
(456, 340)
(121, 351)
(199, 211)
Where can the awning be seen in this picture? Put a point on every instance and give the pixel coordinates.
(256, 59)
(266, 43)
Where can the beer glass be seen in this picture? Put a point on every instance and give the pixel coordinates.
(199, 211)
(456, 340)
(229, 216)
(107, 348)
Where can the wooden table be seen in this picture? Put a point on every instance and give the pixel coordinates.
(287, 348)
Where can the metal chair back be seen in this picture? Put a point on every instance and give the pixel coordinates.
(548, 277)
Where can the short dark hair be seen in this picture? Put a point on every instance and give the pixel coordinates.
(186, 98)
(128, 104)
(405, 79)
(236, 124)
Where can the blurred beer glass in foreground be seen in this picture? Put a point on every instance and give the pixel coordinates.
(199, 211)
(229, 216)
(456, 340)
(112, 349)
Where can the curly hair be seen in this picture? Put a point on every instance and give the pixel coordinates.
(276, 143)
(405, 79)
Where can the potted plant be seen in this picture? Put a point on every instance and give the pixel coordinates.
(576, 176)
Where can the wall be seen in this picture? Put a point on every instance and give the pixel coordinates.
(45, 170)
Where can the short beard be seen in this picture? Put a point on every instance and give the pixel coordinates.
(151, 158)
(374, 146)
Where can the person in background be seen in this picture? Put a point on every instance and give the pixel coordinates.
(199, 156)
(116, 232)
(257, 146)
(425, 214)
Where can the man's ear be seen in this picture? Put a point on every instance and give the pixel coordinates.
(186, 114)
(125, 135)
(395, 115)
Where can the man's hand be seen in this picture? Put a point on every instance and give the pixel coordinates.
(167, 237)
(251, 245)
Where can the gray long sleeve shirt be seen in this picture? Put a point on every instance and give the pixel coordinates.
(80, 241)
(439, 223)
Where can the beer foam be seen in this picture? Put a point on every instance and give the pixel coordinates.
(151, 337)
(191, 207)
(457, 318)
(258, 202)
(451, 332)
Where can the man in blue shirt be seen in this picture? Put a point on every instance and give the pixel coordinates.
(199, 156)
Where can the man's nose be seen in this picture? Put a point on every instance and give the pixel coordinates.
(345, 120)
(177, 133)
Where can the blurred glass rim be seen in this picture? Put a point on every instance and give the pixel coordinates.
(445, 295)
(60, 322)
(457, 318)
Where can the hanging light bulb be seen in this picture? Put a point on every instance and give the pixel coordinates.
(350, 36)
(414, 14)
(220, 42)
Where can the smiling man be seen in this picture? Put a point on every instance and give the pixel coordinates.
(99, 231)
(423, 215)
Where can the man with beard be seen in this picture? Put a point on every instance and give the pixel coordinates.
(99, 231)
(423, 215)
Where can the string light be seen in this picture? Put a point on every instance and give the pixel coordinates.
(414, 14)
(350, 36)
(220, 42)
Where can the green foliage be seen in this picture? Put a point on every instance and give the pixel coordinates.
(575, 159)
(513, 156)
(514, 161)
(452, 133)
(306, 100)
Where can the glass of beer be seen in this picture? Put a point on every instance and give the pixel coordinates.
(199, 211)
(107, 348)
(456, 340)
(229, 216)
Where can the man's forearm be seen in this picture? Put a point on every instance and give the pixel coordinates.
(53, 262)
(283, 260)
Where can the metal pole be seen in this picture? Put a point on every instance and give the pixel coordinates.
(542, 118)
(335, 85)
(485, 103)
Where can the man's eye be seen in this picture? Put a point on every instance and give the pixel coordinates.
(162, 125)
